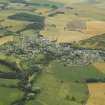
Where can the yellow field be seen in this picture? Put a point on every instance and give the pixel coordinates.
(100, 66)
(59, 32)
(42, 11)
(97, 94)
(6, 39)
(65, 36)
(95, 27)
(14, 25)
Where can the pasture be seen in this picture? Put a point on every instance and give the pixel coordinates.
(65, 85)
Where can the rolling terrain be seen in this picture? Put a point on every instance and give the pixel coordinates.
(52, 52)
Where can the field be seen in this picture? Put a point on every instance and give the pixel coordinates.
(100, 66)
(95, 27)
(97, 90)
(59, 32)
(97, 94)
(96, 42)
(6, 39)
(55, 90)
(56, 28)
(65, 88)
(67, 1)
(8, 90)
(9, 95)
(31, 23)
(80, 72)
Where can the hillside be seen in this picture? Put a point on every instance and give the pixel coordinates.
(96, 42)
(52, 52)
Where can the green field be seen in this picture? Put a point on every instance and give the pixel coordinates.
(9, 95)
(65, 85)
(77, 73)
(36, 27)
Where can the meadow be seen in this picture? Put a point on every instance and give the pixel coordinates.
(65, 85)
(59, 84)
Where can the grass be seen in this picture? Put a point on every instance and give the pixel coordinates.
(11, 25)
(45, 4)
(27, 17)
(89, 10)
(42, 11)
(14, 25)
(53, 92)
(9, 95)
(6, 39)
(8, 58)
(58, 84)
(4, 1)
(67, 1)
(5, 13)
(76, 73)
(8, 82)
(96, 42)
(4, 68)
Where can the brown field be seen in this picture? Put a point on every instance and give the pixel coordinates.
(95, 27)
(97, 94)
(6, 39)
(100, 66)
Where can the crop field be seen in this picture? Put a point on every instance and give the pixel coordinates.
(100, 66)
(6, 39)
(95, 27)
(42, 11)
(14, 25)
(55, 28)
(97, 94)
(59, 32)
(47, 52)
(93, 11)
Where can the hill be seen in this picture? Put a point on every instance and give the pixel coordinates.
(96, 42)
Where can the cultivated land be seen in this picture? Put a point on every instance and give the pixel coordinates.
(52, 52)
(59, 32)
(6, 39)
(97, 94)
(95, 27)
(100, 66)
